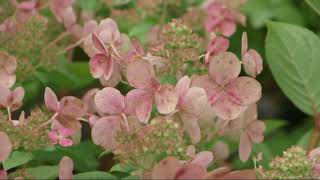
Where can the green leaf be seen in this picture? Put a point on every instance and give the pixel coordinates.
(168, 79)
(44, 172)
(123, 168)
(141, 31)
(314, 4)
(131, 177)
(273, 124)
(293, 56)
(94, 175)
(304, 140)
(16, 159)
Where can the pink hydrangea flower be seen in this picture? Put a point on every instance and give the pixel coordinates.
(217, 45)
(5, 146)
(66, 168)
(314, 156)
(67, 111)
(8, 66)
(11, 99)
(141, 75)
(251, 59)
(61, 135)
(228, 94)
(192, 102)
(64, 13)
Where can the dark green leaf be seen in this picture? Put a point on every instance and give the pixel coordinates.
(94, 175)
(315, 4)
(44, 172)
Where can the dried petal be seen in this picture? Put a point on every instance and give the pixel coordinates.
(217, 45)
(72, 107)
(203, 158)
(191, 126)
(131, 100)
(205, 82)
(224, 68)
(194, 101)
(6, 79)
(66, 168)
(182, 86)
(51, 100)
(166, 168)
(252, 63)
(97, 65)
(244, 43)
(245, 147)
(17, 97)
(144, 107)
(109, 101)
(4, 96)
(255, 131)
(140, 74)
(5, 146)
(221, 150)
(228, 28)
(166, 99)
(98, 43)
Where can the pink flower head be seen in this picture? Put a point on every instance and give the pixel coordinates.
(61, 135)
(3, 175)
(141, 75)
(11, 99)
(228, 94)
(192, 102)
(222, 18)
(251, 59)
(67, 110)
(8, 66)
(66, 168)
(217, 45)
(5, 146)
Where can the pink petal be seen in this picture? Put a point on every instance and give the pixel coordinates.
(109, 32)
(10, 65)
(109, 101)
(194, 101)
(206, 83)
(66, 168)
(92, 120)
(65, 132)
(131, 100)
(224, 68)
(314, 153)
(89, 27)
(191, 171)
(72, 107)
(241, 174)
(17, 97)
(104, 131)
(88, 99)
(115, 77)
(3, 175)
(217, 45)
(166, 168)
(109, 64)
(244, 44)
(244, 90)
(4, 96)
(51, 100)
(225, 108)
(144, 107)
(245, 147)
(137, 48)
(98, 65)
(221, 151)
(191, 151)
(53, 136)
(98, 43)
(88, 46)
(252, 63)
(65, 142)
(166, 99)
(255, 131)
(140, 74)
(27, 5)
(5, 146)
(6, 79)
(182, 86)
(203, 159)
(228, 28)
(69, 17)
(219, 172)
(191, 126)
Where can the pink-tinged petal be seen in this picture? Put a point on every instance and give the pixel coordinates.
(109, 29)
(191, 171)
(27, 5)
(115, 77)
(109, 101)
(98, 43)
(225, 108)
(144, 107)
(244, 44)
(98, 65)
(4, 96)
(109, 64)
(245, 147)
(69, 17)
(166, 168)
(140, 74)
(104, 131)
(66, 168)
(65, 142)
(166, 99)
(65, 132)
(5, 146)
(194, 101)
(53, 136)
(10, 65)
(221, 151)
(88, 99)
(252, 63)
(182, 86)
(131, 100)
(88, 46)
(224, 67)
(244, 90)
(241, 174)
(191, 151)
(72, 107)
(17, 96)
(51, 100)
(255, 131)
(89, 27)
(314, 153)
(228, 28)
(137, 48)
(92, 120)
(191, 126)
(205, 82)
(217, 45)
(203, 158)
(218, 173)
(6, 79)
(3, 175)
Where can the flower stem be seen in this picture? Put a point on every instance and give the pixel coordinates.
(315, 134)
(9, 114)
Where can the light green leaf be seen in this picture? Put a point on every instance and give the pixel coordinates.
(141, 31)
(293, 56)
(273, 124)
(16, 159)
(304, 140)
(123, 168)
(314, 4)
(132, 177)
(44, 172)
(94, 175)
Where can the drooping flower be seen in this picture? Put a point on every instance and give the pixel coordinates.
(141, 75)
(228, 94)
(217, 45)
(66, 168)
(11, 99)
(5, 146)
(192, 102)
(8, 66)
(251, 59)
(67, 111)
(61, 135)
